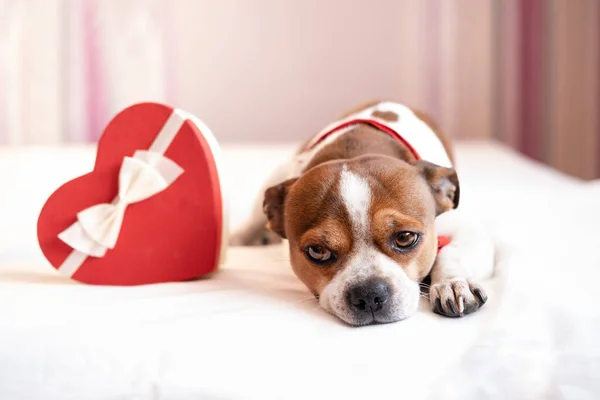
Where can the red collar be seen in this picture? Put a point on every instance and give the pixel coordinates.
(443, 241)
(381, 126)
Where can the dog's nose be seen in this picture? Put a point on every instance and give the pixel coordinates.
(369, 295)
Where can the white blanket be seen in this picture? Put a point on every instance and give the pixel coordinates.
(254, 332)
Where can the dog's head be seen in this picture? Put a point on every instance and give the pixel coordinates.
(361, 232)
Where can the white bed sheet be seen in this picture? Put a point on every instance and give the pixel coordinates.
(254, 332)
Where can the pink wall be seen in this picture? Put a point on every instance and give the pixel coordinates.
(280, 70)
(523, 72)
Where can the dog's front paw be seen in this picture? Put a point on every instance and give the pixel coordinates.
(456, 297)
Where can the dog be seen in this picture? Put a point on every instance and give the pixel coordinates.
(368, 209)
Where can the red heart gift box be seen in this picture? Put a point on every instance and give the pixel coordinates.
(151, 210)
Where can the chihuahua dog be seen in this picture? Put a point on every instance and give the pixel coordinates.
(368, 209)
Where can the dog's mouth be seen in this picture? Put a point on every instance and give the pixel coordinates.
(375, 299)
(369, 317)
(393, 310)
(374, 319)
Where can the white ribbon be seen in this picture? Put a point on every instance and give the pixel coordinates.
(97, 227)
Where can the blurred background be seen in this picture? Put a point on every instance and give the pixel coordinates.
(526, 73)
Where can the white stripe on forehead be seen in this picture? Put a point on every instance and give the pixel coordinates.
(356, 194)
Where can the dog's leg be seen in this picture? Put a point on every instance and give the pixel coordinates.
(460, 265)
(254, 231)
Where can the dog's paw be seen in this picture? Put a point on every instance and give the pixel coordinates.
(456, 297)
(239, 238)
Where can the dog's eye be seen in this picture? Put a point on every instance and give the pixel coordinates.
(405, 240)
(319, 254)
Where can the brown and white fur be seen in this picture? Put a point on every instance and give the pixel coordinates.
(351, 198)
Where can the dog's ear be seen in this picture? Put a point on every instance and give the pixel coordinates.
(273, 206)
(444, 185)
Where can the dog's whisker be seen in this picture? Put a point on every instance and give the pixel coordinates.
(306, 300)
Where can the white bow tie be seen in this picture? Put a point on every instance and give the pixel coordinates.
(140, 177)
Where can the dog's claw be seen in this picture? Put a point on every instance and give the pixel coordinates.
(450, 305)
(438, 307)
(481, 296)
(459, 296)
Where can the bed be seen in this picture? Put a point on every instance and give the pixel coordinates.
(253, 331)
